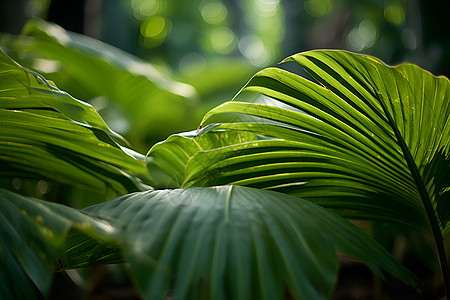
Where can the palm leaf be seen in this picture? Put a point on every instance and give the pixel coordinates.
(352, 144)
(371, 141)
(45, 133)
(233, 242)
(169, 158)
(34, 235)
(146, 96)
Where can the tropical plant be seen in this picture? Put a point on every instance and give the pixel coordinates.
(124, 88)
(371, 143)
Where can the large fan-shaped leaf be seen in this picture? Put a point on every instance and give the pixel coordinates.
(234, 242)
(372, 142)
(34, 234)
(45, 133)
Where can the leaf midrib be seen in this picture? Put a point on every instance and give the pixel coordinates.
(424, 197)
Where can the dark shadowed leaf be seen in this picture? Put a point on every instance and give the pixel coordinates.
(233, 242)
(34, 235)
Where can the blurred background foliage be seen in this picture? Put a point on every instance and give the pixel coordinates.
(212, 45)
(155, 67)
(163, 64)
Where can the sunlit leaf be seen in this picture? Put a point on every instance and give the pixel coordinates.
(169, 158)
(371, 141)
(47, 134)
(149, 101)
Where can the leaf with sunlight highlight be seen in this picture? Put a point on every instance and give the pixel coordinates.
(369, 141)
(45, 133)
(145, 95)
(373, 141)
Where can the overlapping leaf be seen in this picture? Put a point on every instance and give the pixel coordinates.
(34, 235)
(149, 100)
(169, 158)
(234, 242)
(371, 141)
(45, 133)
(230, 241)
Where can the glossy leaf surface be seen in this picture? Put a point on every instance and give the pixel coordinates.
(34, 236)
(137, 96)
(45, 133)
(234, 242)
(370, 141)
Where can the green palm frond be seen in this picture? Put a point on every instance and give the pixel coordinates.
(369, 141)
(45, 133)
(36, 237)
(233, 242)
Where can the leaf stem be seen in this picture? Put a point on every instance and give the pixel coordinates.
(426, 201)
(438, 238)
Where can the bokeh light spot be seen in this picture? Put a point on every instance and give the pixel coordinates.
(253, 49)
(395, 13)
(214, 12)
(223, 40)
(362, 36)
(267, 8)
(154, 30)
(147, 8)
(43, 187)
(153, 27)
